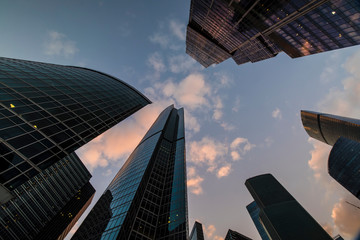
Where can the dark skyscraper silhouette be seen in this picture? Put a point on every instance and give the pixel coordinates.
(282, 216)
(344, 164)
(251, 31)
(47, 111)
(328, 128)
(254, 212)
(197, 232)
(48, 205)
(147, 199)
(233, 235)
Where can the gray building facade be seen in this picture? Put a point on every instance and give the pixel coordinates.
(47, 111)
(147, 199)
(282, 216)
(252, 31)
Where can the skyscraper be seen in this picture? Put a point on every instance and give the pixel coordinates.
(197, 232)
(282, 216)
(147, 199)
(233, 235)
(48, 205)
(328, 128)
(344, 164)
(254, 212)
(47, 111)
(251, 31)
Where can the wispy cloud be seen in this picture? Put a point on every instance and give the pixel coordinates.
(276, 114)
(58, 44)
(194, 181)
(240, 145)
(182, 64)
(155, 61)
(178, 29)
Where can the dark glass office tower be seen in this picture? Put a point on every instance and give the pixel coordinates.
(197, 232)
(48, 205)
(254, 212)
(344, 164)
(328, 128)
(233, 235)
(251, 31)
(147, 199)
(47, 111)
(282, 216)
(338, 237)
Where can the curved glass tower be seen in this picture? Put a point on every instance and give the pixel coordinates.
(147, 199)
(47, 111)
(280, 214)
(328, 128)
(344, 164)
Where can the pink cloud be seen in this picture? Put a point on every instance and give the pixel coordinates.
(224, 171)
(345, 218)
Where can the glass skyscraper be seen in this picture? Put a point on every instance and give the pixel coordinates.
(197, 232)
(233, 235)
(254, 212)
(281, 215)
(251, 31)
(48, 205)
(47, 111)
(147, 199)
(344, 164)
(328, 128)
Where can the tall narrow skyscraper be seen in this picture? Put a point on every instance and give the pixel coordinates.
(233, 235)
(197, 232)
(254, 212)
(251, 31)
(281, 215)
(147, 199)
(344, 164)
(47, 111)
(48, 205)
(328, 128)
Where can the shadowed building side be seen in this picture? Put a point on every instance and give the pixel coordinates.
(148, 195)
(233, 235)
(328, 128)
(47, 111)
(197, 232)
(254, 212)
(344, 164)
(282, 216)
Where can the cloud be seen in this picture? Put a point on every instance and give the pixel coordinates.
(57, 44)
(118, 143)
(269, 141)
(346, 219)
(209, 232)
(182, 64)
(178, 29)
(194, 181)
(218, 105)
(160, 39)
(156, 62)
(237, 104)
(328, 228)
(276, 114)
(241, 145)
(224, 171)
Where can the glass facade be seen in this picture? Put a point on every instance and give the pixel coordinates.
(47, 204)
(147, 199)
(197, 232)
(47, 111)
(281, 215)
(251, 31)
(344, 164)
(254, 212)
(233, 235)
(328, 128)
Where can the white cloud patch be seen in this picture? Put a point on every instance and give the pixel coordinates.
(218, 106)
(161, 39)
(224, 171)
(240, 145)
(209, 232)
(194, 181)
(178, 29)
(58, 44)
(156, 62)
(346, 218)
(276, 114)
(182, 64)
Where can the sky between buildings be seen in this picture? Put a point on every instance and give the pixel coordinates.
(241, 121)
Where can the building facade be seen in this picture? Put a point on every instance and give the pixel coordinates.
(47, 111)
(328, 128)
(48, 205)
(233, 235)
(251, 31)
(282, 216)
(197, 232)
(147, 199)
(254, 212)
(344, 164)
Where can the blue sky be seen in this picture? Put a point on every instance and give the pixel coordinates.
(241, 121)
